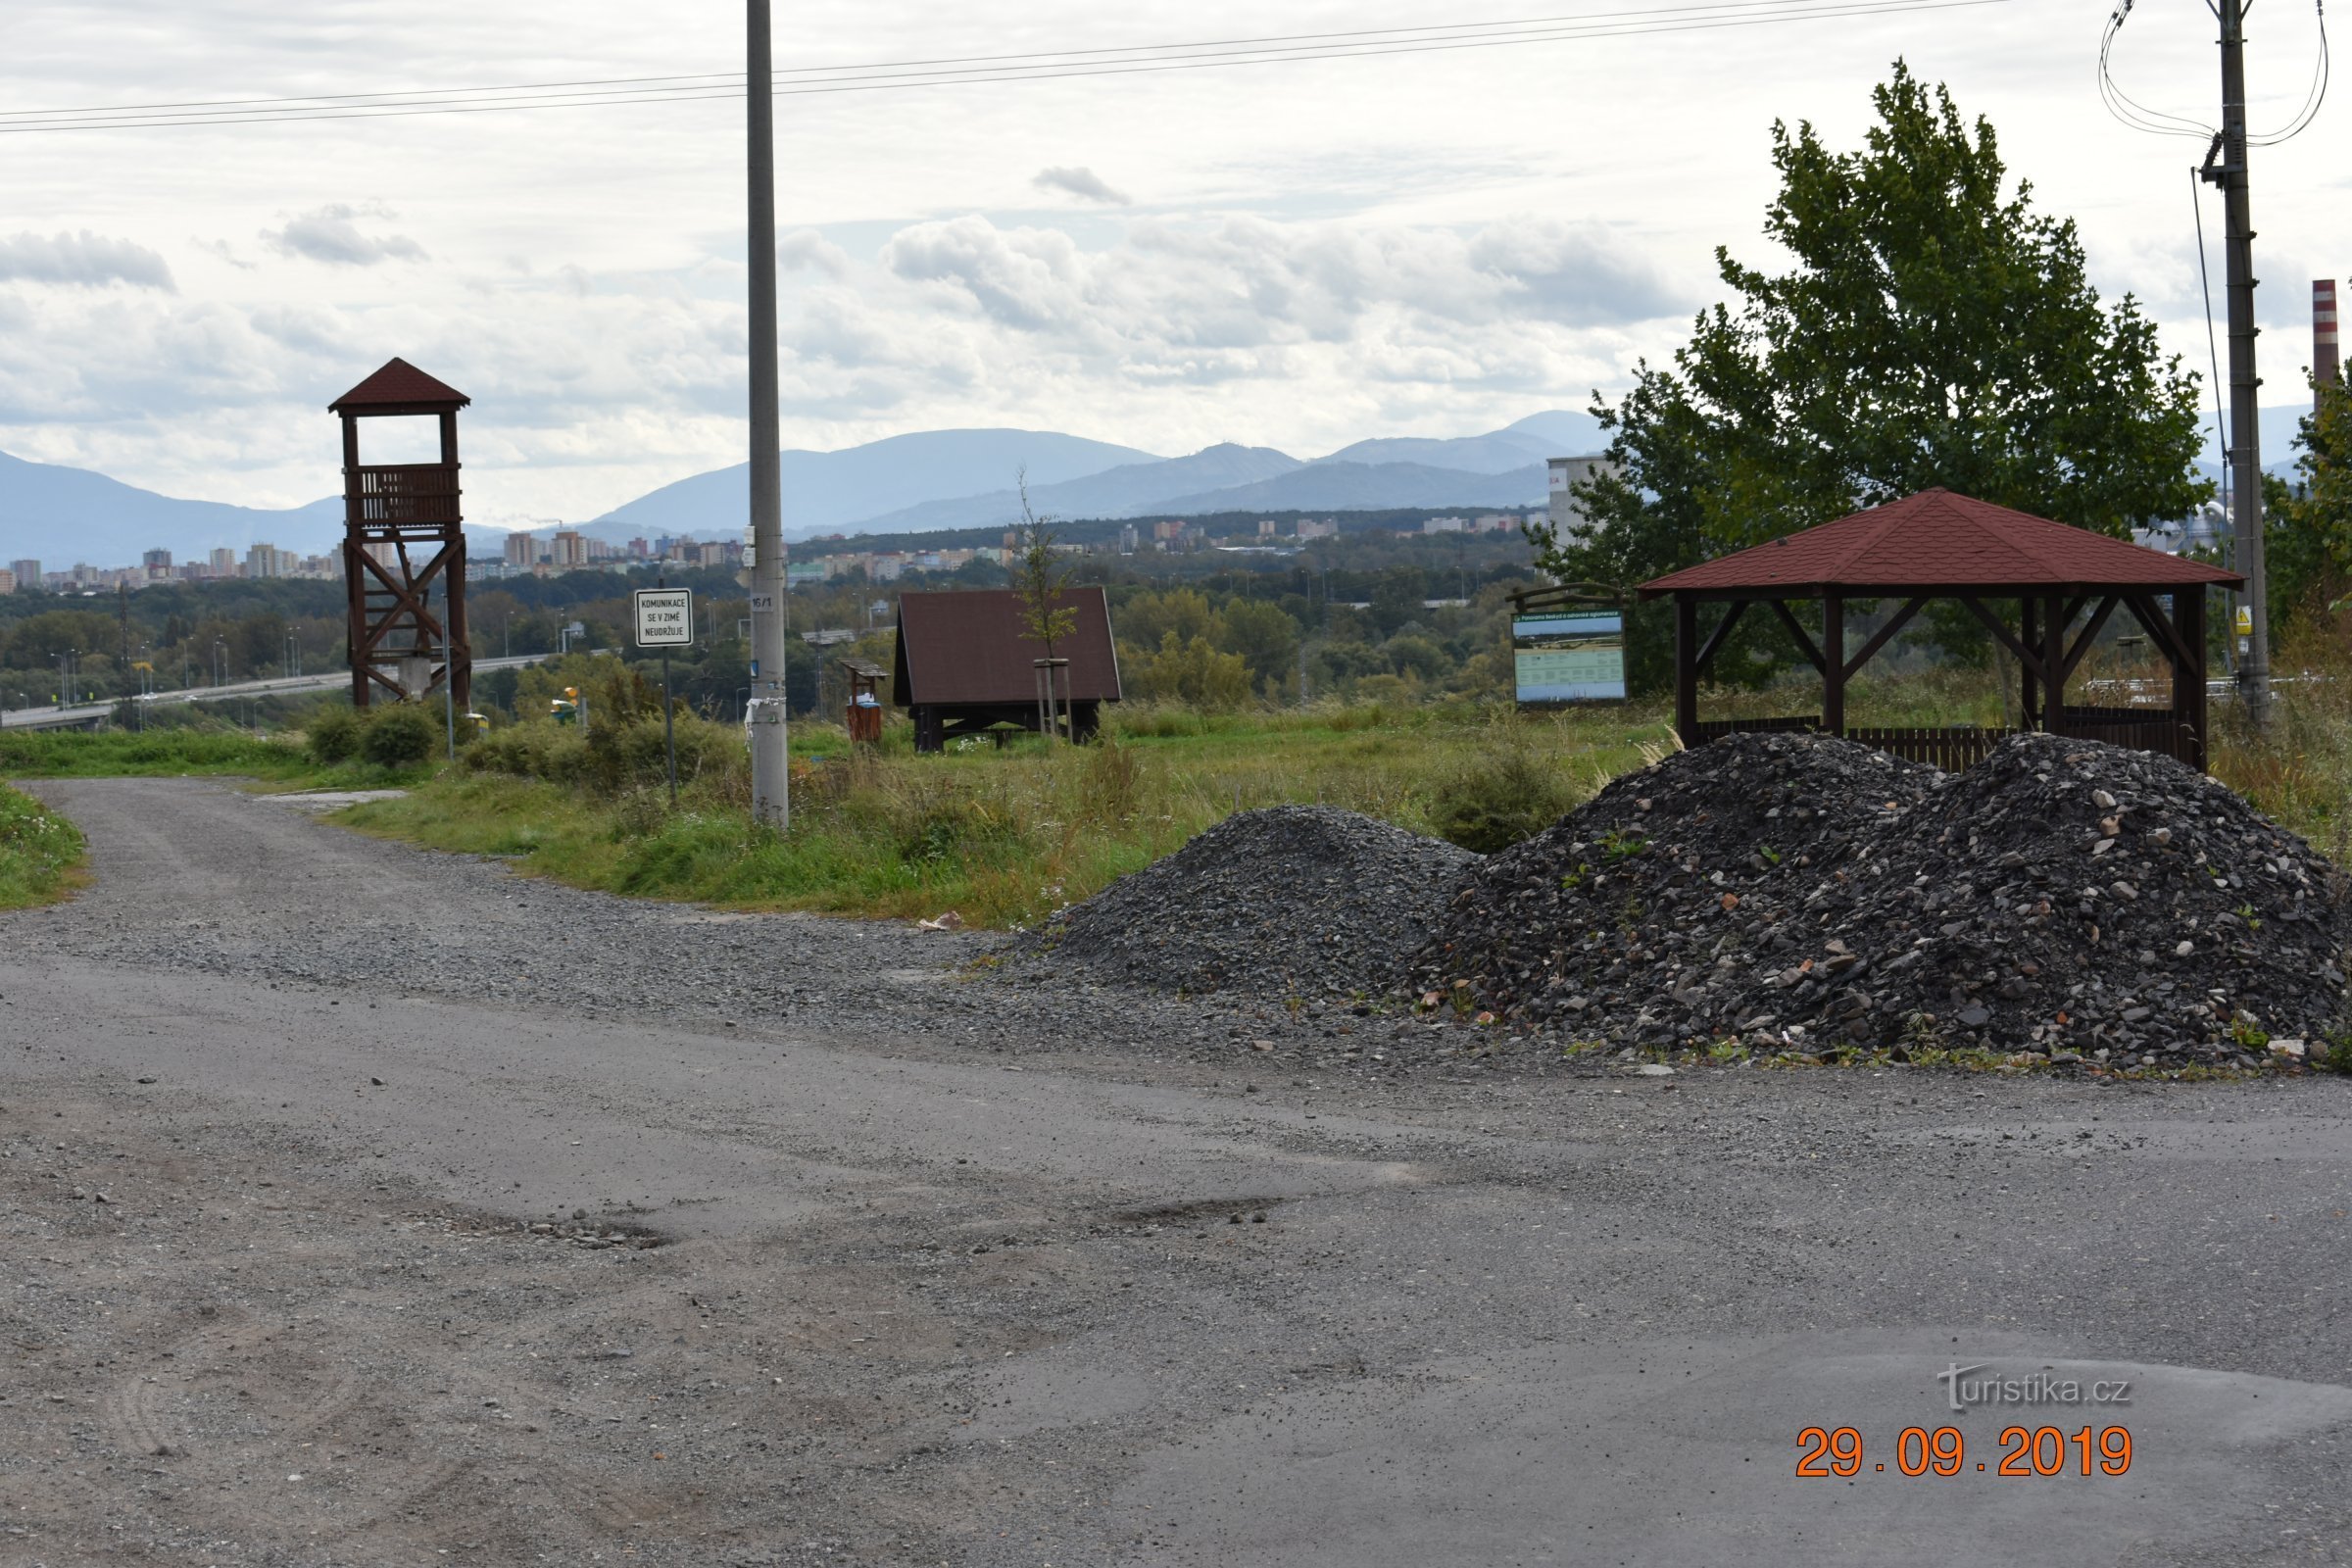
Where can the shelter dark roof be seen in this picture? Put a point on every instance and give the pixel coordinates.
(1939, 540)
(399, 388)
(969, 647)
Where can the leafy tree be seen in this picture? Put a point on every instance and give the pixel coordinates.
(1935, 329)
(1148, 618)
(1189, 671)
(1266, 638)
(2308, 529)
(1040, 581)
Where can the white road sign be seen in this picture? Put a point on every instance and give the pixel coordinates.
(664, 616)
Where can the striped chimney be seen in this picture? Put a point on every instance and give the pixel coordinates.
(2325, 366)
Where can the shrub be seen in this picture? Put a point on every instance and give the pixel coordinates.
(399, 736)
(1512, 792)
(333, 735)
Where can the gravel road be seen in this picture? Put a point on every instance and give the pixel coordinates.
(363, 1205)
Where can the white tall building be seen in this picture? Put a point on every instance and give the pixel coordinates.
(1568, 519)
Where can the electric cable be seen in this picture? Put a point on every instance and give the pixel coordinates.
(973, 69)
(2213, 348)
(2318, 95)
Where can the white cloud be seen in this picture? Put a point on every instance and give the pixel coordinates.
(87, 260)
(1331, 252)
(807, 250)
(1083, 183)
(331, 234)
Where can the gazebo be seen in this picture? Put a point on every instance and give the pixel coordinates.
(965, 666)
(1938, 545)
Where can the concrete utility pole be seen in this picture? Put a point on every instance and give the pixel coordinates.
(770, 796)
(2226, 166)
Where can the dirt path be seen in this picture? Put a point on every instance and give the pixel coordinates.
(842, 1268)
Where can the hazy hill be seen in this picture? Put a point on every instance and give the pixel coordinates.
(60, 515)
(1116, 493)
(824, 491)
(1368, 486)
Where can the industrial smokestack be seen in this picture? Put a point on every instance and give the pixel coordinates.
(2325, 367)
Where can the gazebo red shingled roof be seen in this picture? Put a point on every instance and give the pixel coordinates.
(1939, 545)
(1939, 540)
(400, 388)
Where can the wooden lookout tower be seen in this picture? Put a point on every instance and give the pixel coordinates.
(403, 529)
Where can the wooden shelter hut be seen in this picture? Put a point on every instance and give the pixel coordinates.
(2066, 582)
(965, 664)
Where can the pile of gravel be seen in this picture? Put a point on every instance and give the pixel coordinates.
(1293, 901)
(2063, 898)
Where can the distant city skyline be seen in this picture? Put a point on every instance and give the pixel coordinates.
(1426, 245)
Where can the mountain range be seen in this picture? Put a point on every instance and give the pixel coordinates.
(60, 515)
(971, 478)
(927, 480)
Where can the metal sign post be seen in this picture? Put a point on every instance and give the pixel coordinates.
(665, 621)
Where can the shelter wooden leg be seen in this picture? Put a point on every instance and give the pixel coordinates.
(2053, 660)
(1685, 668)
(1832, 665)
(2189, 675)
(2029, 689)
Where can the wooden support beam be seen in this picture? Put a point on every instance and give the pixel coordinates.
(2098, 620)
(1832, 662)
(2159, 626)
(2053, 664)
(1884, 635)
(1797, 633)
(1685, 668)
(2188, 680)
(1721, 634)
(2028, 689)
(2007, 639)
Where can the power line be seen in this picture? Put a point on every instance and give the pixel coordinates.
(2312, 100)
(2159, 123)
(891, 76)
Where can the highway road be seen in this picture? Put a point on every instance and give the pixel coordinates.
(66, 718)
(362, 1205)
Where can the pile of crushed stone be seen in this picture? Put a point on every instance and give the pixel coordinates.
(2064, 897)
(1291, 900)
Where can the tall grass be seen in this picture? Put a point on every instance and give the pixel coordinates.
(72, 754)
(1001, 835)
(40, 851)
(2298, 767)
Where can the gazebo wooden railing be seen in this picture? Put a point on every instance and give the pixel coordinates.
(1957, 746)
(2068, 584)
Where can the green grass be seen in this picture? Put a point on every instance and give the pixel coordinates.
(115, 753)
(40, 852)
(1002, 837)
(277, 762)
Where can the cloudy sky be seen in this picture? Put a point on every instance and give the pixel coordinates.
(1295, 255)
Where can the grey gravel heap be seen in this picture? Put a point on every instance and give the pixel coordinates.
(2063, 899)
(1291, 900)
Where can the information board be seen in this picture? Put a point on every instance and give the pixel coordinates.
(1570, 656)
(664, 616)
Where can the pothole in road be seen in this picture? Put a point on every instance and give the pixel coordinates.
(1232, 1209)
(591, 1233)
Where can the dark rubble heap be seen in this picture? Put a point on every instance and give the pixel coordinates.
(2063, 898)
(1289, 900)
(1613, 922)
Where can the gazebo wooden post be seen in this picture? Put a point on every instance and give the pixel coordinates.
(1686, 667)
(2188, 677)
(1832, 663)
(2053, 664)
(2028, 689)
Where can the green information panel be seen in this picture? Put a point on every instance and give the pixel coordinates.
(1571, 657)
